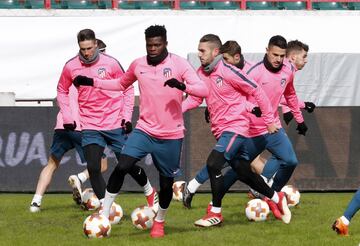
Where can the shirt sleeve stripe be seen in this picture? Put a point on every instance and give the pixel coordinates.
(240, 75)
(257, 64)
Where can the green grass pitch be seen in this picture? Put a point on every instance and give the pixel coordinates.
(60, 223)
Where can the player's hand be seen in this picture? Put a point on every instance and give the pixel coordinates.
(83, 80)
(174, 83)
(310, 106)
(256, 111)
(272, 128)
(207, 115)
(288, 116)
(302, 128)
(127, 125)
(70, 126)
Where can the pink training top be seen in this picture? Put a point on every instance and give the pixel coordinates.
(98, 109)
(275, 86)
(229, 87)
(247, 66)
(74, 107)
(160, 106)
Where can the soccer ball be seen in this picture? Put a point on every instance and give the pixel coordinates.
(257, 210)
(292, 195)
(116, 213)
(178, 189)
(89, 200)
(143, 217)
(96, 226)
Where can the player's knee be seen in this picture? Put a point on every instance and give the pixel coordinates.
(292, 161)
(215, 161)
(125, 163)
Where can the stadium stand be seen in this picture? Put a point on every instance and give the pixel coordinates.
(184, 4)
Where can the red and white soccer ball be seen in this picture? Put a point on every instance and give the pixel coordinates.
(89, 200)
(96, 226)
(257, 210)
(116, 213)
(143, 217)
(178, 190)
(292, 195)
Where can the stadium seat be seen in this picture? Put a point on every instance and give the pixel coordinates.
(292, 5)
(59, 4)
(153, 4)
(15, 4)
(36, 4)
(224, 5)
(354, 6)
(193, 5)
(261, 5)
(129, 4)
(82, 4)
(328, 6)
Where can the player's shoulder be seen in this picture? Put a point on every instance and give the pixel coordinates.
(255, 67)
(288, 66)
(177, 58)
(72, 60)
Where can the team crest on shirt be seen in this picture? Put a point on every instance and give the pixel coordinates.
(219, 81)
(167, 72)
(282, 82)
(102, 72)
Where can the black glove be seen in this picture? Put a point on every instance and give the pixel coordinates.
(256, 111)
(83, 80)
(309, 106)
(207, 115)
(302, 128)
(175, 83)
(127, 126)
(70, 126)
(288, 117)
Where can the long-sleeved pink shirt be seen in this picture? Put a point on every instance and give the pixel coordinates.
(275, 86)
(285, 108)
(229, 87)
(74, 107)
(99, 109)
(160, 106)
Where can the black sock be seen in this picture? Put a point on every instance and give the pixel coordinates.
(166, 192)
(215, 163)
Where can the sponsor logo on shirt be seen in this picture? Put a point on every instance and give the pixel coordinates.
(219, 81)
(283, 82)
(167, 72)
(102, 72)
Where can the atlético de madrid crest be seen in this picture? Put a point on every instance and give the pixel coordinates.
(167, 72)
(102, 72)
(283, 82)
(219, 81)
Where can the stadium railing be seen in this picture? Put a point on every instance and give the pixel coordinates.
(184, 4)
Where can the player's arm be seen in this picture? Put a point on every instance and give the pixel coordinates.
(191, 102)
(63, 100)
(244, 83)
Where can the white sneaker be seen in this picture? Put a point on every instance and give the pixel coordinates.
(34, 207)
(75, 183)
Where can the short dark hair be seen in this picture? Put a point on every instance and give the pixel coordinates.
(278, 41)
(156, 31)
(101, 45)
(296, 45)
(231, 47)
(86, 34)
(212, 38)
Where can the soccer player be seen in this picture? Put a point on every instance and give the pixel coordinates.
(160, 128)
(63, 141)
(231, 52)
(229, 88)
(275, 74)
(341, 225)
(76, 180)
(105, 116)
